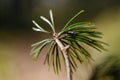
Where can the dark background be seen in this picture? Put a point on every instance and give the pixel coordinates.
(16, 15)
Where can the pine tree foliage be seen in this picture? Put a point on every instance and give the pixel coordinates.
(76, 35)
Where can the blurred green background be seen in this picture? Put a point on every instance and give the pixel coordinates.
(16, 36)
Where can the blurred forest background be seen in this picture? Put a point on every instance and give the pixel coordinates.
(16, 37)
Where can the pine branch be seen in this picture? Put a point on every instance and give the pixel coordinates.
(66, 57)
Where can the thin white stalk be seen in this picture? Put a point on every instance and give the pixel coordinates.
(67, 60)
(46, 20)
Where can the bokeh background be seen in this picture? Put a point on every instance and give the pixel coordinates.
(16, 37)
